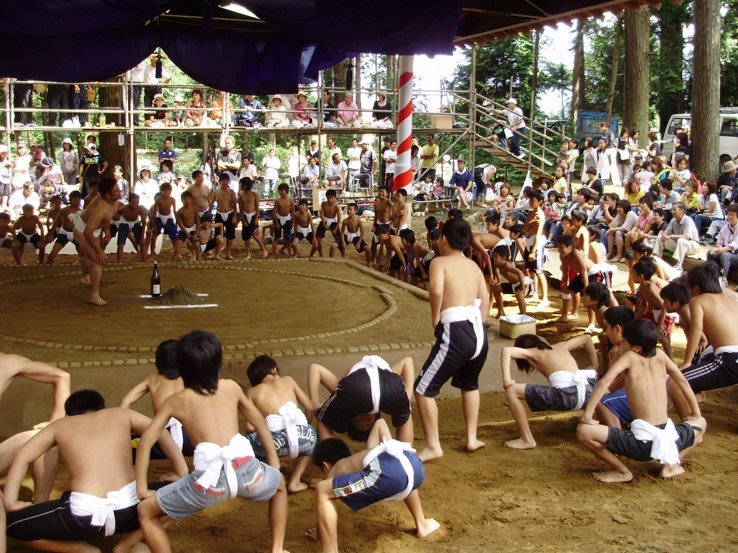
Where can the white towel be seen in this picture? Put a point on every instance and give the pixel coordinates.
(372, 364)
(566, 379)
(397, 449)
(664, 448)
(211, 458)
(102, 509)
(176, 431)
(471, 313)
(288, 418)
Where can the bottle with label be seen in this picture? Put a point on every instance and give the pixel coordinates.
(102, 120)
(155, 282)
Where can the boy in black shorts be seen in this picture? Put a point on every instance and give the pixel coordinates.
(304, 228)
(459, 306)
(534, 255)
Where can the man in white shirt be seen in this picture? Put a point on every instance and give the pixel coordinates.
(679, 237)
(354, 158)
(516, 124)
(271, 165)
(336, 169)
(21, 197)
(727, 242)
(390, 159)
(152, 82)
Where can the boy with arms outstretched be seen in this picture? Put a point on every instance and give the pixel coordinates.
(388, 469)
(652, 435)
(459, 306)
(28, 229)
(276, 397)
(225, 464)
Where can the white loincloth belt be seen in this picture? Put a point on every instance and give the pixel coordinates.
(664, 448)
(284, 219)
(175, 430)
(211, 458)
(288, 418)
(566, 379)
(249, 217)
(372, 364)
(102, 509)
(397, 449)
(80, 225)
(430, 255)
(726, 349)
(469, 313)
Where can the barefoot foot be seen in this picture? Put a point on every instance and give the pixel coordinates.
(670, 471)
(611, 477)
(430, 454)
(85, 280)
(430, 526)
(520, 443)
(97, 300)
(475, 445)
(296, 487)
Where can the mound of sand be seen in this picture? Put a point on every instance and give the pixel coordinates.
(178, 295)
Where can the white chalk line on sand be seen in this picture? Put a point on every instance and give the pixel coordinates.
(149, 295)
(200, 306)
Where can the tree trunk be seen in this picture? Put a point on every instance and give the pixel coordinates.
(670, 97)
(614, 70)
(637, 84)
(390, 65)
(578, 101)
(706, 90)
(112, 97)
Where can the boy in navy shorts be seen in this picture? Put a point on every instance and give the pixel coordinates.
(459, 306)
(387, 470)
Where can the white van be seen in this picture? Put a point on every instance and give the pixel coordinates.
(728, 132)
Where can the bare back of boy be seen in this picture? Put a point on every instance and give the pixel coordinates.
(272, 394)
(460, 282)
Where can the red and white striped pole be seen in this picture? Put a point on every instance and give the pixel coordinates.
(403, 169)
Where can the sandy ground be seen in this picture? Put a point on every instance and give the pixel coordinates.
(542, 500)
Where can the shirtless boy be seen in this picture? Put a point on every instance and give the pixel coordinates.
(227, 213)
(570, 387)
(28, 229)
(534, 255)
(64, 227)
(650, 305)
(200, 192)
(710, 313)
(87, 226)
(277, 397)
(613, 409)
(304, 227)
(515, 281)
(352, 232)
(7, 234)
(102, 500)
(164, 215)
(248, 207)
(398, 221)
(225, 465)
(330, 220)
(209, 239)
(382, 216)
(393, 244)
(459, 306)
(652, 435)
(368, 389)
(388, 469)
(55, 207)
(160, 386)
(132, 227)
(284, 214)
(188, 219)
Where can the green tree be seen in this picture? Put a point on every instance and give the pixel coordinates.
(556, 77)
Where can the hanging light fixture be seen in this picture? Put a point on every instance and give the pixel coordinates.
(350, 75)
(159, 68)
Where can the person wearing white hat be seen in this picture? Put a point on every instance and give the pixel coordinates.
(146, 187)
(516, 126)
(726, 183)
(276, 114)
(69, 161)
(5, 169)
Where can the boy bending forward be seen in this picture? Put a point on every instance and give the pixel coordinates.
(387, 470)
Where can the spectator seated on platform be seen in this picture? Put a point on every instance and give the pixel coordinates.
(311, 172)
(382, 112)
(727, 181)
(276, 114)
(19, 198)
(195, 110)
(249, 108)
(329, 110)
(679, 237)
(160, 116)
(179, 115)
(217, 110)
(303, 112)
(348, 114)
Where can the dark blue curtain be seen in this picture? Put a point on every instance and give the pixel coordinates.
(89, 40)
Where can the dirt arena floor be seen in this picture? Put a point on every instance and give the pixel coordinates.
(496, 499)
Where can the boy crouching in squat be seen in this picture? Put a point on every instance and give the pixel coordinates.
(387, 470)
(225, 463)
(652, 434)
